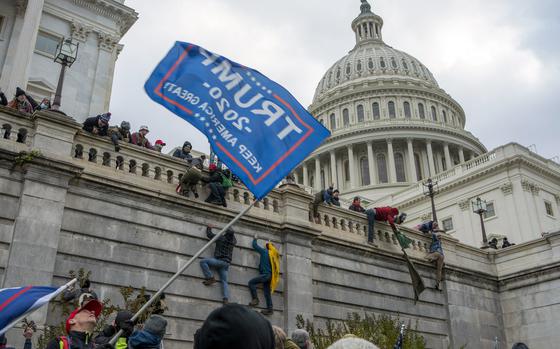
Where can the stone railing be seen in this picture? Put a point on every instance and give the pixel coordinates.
(343, 224)
(15, 126)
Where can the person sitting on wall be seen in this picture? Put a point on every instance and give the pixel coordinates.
(436, 251)
(217, 192)
(223, 254)
(139, 138)
(98, 125)
(185, 152)
(3, 99)
(191, 178)
(370, 213)
(79, 327)
(383, 214)
(327, 196)
(493, 243)
(120, 133)
(21, 102)
(158, 146)
(44, 105)
(506, 243)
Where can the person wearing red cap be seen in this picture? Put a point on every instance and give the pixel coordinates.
(159, 145)
(79, 327)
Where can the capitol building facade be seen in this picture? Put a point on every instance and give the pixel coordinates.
(394, 127)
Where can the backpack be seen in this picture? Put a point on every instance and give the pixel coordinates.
(226, 181)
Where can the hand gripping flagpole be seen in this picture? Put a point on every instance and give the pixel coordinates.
(59, 291)
(182, 270)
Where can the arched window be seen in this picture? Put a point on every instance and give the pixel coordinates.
(399, 167)
(392, 112)
(364, 168)
(421, 111)
(348, 69)
(359, 66)
(393, 63)
(346, 171)
(444, 116)
(312, 181)
(370, 63)
(443, 164)
(434, 113)
(404, 64)
(333, 122)
(382, 62)
(452, 119)
(375, 110)
(382, 168)
(418, 166)
(407, 112)
(345, 117)
(360, 112)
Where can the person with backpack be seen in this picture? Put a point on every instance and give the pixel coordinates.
(79, 327)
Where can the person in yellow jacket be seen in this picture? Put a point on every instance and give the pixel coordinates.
(269, 275)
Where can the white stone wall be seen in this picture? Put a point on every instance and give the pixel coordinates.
(97, 27)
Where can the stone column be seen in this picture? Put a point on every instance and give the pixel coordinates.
(370, 162)
(448, 163)
(16, 67)
(461, 155)
(391, 164)
(351, 166)
(297, 266)
(334, 178)
(296, 176)
(431, 164)
(37, 225)
(104, 67)
(305, 175)
(317, 183)
(411, 162)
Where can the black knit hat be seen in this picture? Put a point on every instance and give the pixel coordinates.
(234, 326)
(19, 92)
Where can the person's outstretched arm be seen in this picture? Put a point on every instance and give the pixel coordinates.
(256, 246)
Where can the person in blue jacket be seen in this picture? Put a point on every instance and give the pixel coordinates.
(264, 278)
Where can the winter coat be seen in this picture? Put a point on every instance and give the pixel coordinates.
(387, 214)
(117, 135)
(93, 123)
(264, 264)
(357, 208)
(224, 244)
(76, 340)
(144, 340)
(3, 100)
(289, 344)
(23, 107)
(179, 153)
(137, 139)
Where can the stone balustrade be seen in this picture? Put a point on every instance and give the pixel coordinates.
(15, 126)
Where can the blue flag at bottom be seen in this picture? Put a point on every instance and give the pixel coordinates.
(18, 301)
(255, 126)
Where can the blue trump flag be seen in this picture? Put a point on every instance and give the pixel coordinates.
(19, 301)
(256, 127)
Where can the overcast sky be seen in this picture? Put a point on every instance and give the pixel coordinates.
(500, 59)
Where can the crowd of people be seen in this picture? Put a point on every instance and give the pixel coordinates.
(23, 102)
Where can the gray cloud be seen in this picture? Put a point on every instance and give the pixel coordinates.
(499, 59)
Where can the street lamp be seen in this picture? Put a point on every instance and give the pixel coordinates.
(66, 53)
(431, 189)
(479, 207)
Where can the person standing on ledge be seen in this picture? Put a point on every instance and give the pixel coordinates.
(222, 258)
(436, 251)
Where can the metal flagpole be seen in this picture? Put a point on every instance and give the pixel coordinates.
(182, 269)
(60, 289)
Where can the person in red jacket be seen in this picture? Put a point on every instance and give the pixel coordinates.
(383, 214)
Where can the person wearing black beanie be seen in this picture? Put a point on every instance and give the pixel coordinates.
(234, 326)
